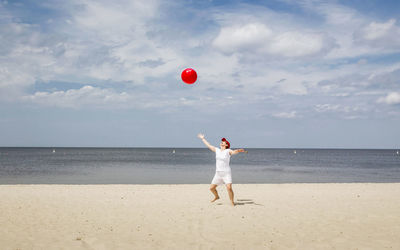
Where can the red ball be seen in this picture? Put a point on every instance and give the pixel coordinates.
(189, 76)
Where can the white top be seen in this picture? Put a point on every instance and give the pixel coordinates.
(222, 159)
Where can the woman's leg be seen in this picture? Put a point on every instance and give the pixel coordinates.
(213, 189)
(230, 192)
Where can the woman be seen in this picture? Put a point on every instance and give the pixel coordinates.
(223, 170)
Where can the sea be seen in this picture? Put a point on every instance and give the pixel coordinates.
(195, 165)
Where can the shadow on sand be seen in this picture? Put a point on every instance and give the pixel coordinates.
(242, 202)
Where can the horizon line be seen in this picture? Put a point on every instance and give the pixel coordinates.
(170, 147)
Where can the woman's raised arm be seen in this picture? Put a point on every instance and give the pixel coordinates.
(201, 136)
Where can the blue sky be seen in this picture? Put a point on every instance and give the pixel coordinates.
(280, 73)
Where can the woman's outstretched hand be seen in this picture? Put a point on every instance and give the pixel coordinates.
(237, 151)
(201, 136)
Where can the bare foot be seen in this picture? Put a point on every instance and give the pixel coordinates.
(232, 203)
(216, 198)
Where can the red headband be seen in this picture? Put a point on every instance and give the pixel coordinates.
(229, 145)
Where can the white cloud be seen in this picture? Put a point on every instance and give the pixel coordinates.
(120, 33)
(362, 61)
(21, 59)
(296, 44)
(384, 35)
(101, 41)
(326, 107)
(287, 115)
(258, 38)
(391, 99)
(334, 14)
(345, 111)
(355, 33)
(74, 98)
(376, 30)
(247, 37)
(114, 22)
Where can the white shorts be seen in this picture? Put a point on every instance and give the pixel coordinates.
(222, 177)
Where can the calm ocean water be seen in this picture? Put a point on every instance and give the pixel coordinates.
(193, 165)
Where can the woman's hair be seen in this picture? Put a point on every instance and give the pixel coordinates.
(227, 143)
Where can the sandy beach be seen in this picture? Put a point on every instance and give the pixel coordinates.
(267, 216)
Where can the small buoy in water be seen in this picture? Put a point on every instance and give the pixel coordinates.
(54, 150)
(173, 151)
(398, 152)
(295, 152)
